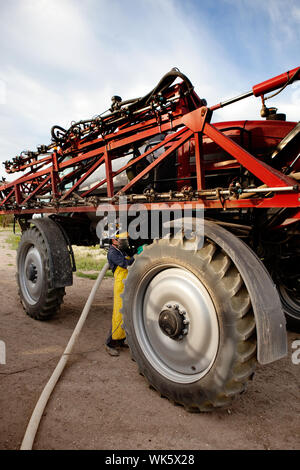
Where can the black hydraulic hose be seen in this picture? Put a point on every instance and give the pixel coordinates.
(59, 128)
(132, 104)
(165, 82)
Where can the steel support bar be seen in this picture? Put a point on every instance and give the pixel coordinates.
(83, 178)
(131, 131)
(29, 165)
(108, 174)
(143, 135)
(39, 187)
(7, 197)
(137, 159)
(152, 165)
(18, 195)
(199, 161)
(98, 185)
(264, 172)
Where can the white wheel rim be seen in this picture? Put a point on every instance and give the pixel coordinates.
(31, 275)
(183, 360)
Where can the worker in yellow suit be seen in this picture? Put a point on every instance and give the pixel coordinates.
(118, 260)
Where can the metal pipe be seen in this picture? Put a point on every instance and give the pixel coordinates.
(231, 100)
(269, 190)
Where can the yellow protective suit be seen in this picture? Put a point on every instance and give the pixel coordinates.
(117, 320)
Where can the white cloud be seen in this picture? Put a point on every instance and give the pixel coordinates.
(49, 32)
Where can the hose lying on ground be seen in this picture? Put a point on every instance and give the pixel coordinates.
(33, 424)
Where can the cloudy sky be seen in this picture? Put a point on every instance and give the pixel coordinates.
(62, 60)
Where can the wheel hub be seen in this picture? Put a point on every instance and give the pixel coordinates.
(172, 322)
(31, 273)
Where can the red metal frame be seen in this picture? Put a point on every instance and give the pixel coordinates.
(190, 128)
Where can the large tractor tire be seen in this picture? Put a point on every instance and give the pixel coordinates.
(39, 296)
(189, 323)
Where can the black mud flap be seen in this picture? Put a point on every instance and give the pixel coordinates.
(57, 248)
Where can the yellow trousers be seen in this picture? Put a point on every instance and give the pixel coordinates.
(117, 320)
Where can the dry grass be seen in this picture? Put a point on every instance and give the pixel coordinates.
(13, 240)
(89, 260)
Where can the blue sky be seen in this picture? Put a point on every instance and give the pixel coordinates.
(62, 60)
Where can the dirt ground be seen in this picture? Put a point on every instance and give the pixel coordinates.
(101, 402)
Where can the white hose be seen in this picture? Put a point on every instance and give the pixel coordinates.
(33, 424)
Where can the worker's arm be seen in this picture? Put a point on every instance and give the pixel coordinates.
(117, 258)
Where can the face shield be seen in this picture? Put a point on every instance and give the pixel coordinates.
(123, 240)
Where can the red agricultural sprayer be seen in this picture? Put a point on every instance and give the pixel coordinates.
(199, 312)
